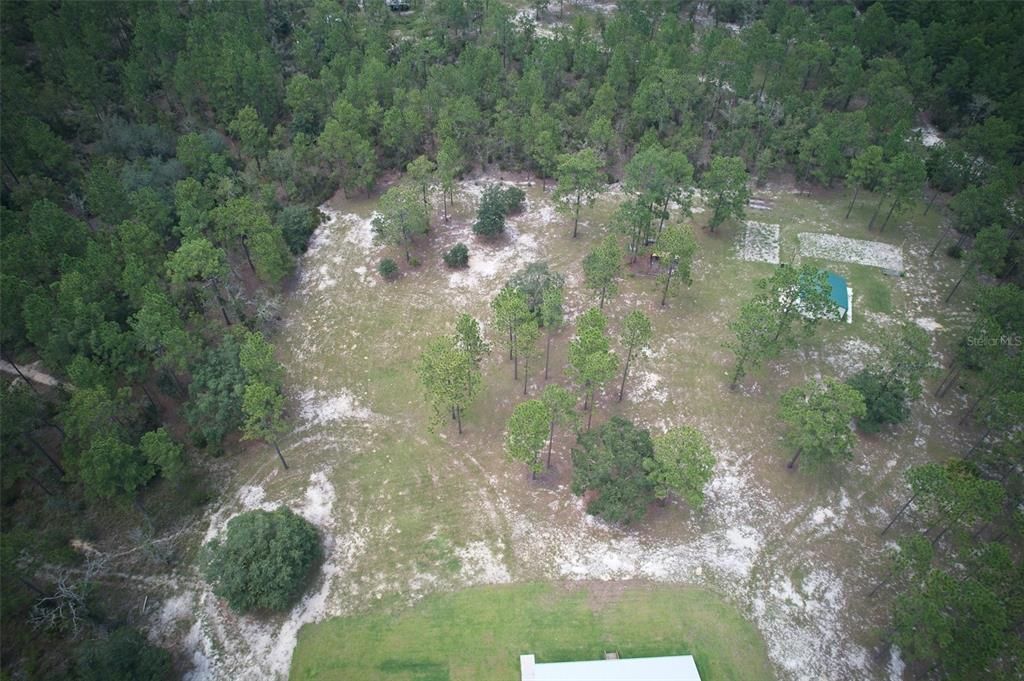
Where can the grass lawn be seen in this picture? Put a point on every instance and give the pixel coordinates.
(479, 633)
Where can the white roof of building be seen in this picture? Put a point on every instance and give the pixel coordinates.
(677, 668)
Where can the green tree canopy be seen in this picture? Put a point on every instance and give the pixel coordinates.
(450, 378)
(819, 417)
(264, 561)
(526, 431)
(610, 461)
(682, 463)
(603, 267)
(725, 186)
(579, 180)
(676, 248)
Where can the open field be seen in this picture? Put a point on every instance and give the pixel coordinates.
(479, 633)
(407, 513)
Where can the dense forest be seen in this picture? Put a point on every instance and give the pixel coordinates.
(162, 167)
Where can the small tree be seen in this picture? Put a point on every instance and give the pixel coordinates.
(755, 329)
(449, 165)
(469, 339)
(387, 268)
(633, 219)
(552, 315)
(675, 247)
(450, 378)
(490, 216)
(591, 361)
(510, 312)
(636, 336)
(819, 417)
(885, 402)
(682, 463)
(420, 172)
(265, 560)
(987, 256)
(526, 346)
(865, 172)
(797, 294)
(903, 180)
(527, 429)
(263, 407)
(603, 267)
(533, 281)
(561, 406)
(610, 461)
(579, 180)
(400, 217)
(726, 186)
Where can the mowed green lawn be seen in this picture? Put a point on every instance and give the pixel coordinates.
(478, 634)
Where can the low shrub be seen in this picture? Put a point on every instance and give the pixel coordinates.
(388, 268)
(457, 256)
(513, 199)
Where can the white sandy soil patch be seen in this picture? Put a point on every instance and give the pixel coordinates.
(225, 645)
(759, 243)
(929, 136)
(480, 565)
(31, 372)
(318, 407)
(645, 385)
(319, 274)
(842, 249)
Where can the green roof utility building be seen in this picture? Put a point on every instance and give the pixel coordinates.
(676, 668)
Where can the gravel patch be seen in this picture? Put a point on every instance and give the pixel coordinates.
(842, 249)
(759, 243)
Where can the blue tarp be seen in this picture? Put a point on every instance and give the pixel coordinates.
(839, 294)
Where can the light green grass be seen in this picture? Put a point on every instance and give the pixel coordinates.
(479, 633)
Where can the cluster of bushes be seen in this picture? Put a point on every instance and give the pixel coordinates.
(496, 204)
(627, 469)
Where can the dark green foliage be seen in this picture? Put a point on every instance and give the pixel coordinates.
(124, 655)
(533, 280)
(610, 462)
(297, 223)
(886, 401)
(457, 256)
(512, 199)
(387, 268)
(265, 560)
(214, 408)
(490, 216)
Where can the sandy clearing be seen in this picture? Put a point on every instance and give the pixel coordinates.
(843, 249)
